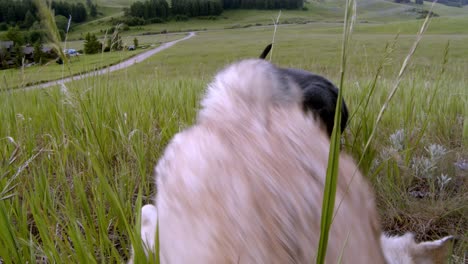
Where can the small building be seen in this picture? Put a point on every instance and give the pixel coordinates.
(7, 45)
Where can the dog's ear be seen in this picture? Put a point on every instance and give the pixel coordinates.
(436, 251)
(266, 51)
(404, 249)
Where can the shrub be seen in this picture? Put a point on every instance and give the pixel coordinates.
(156, 20)
(181, 18)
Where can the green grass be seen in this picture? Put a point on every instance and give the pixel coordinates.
(14, 78)
(143, 40)
(439, 25)
(77, 163)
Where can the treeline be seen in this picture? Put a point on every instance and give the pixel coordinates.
(150, 9)
(76, 10)
(455, 3)
(20, 13)
(194, 8)
(263, 4)
(157, 11)
(23, 12)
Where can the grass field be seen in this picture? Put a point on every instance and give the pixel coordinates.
(369, 12)
(14, 78)
(77, 161)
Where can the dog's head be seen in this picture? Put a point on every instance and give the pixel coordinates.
(319, 95)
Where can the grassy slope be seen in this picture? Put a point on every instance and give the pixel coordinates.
(101, 138)
(390, 16)
(439, 25)
(13, 78)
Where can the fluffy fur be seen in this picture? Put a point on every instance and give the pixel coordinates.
(319, 95)
(404, 250)
(245, 183)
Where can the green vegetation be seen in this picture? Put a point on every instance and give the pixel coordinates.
(14, 78)
(92, 45)
(77, 160)
(99, 138)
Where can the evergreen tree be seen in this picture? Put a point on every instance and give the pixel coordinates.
(5, 56)
(10, 15)
(92, 44)
(135, 42)
(38, 54)
(29, 20)
(78, 12)
(15, 35)
(93, 11)
(61, 22)
(18, 55)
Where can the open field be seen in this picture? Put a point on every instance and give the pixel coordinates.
(369, 12)
(327, 23)
(77, 161)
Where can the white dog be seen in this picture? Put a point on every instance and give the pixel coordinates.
(245, 183)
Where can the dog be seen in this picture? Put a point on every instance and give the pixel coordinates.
(245, 183)
(319, 95)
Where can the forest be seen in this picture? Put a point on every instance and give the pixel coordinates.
(156, 11)
(24, 13)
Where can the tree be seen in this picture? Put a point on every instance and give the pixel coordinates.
(61, 22)
(92, 44)
(15, 35)
(137, 9)
(28, 20)
(108, 45)
(18, 55)
(93, 11)
(5, 56)
(78, 12)
(10, 15)
(38, 54)
(36, 35)
(135, 42)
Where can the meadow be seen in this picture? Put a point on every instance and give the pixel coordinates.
(329, 12)
(14, 78)
(77, 160)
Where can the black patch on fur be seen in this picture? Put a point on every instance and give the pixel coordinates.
(319, 96)
(266, 51)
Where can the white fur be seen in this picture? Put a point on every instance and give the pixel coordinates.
(405, 250)
(245, 183)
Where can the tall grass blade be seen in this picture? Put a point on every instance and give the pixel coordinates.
(401, 73)
(276, 22)
(329, 193)
(47, 17)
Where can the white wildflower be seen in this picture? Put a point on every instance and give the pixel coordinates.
(20, 116)
(436, 151)
(423, 167)
(443, 180)
(397, 140)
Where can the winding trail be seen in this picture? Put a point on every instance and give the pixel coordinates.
(122, 65)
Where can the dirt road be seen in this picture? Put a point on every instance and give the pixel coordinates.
(122, 65)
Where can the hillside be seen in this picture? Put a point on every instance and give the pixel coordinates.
(370, 12)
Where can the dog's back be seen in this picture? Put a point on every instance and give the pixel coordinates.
(245, 184)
